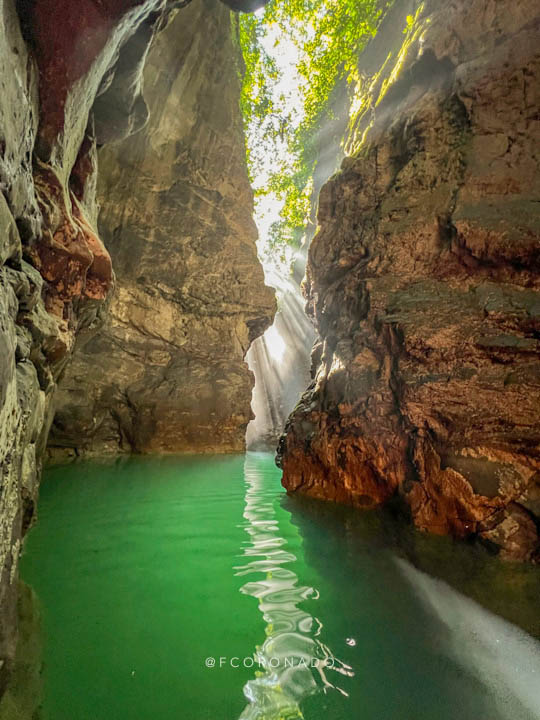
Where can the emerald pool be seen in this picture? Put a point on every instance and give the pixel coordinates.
(194, 588)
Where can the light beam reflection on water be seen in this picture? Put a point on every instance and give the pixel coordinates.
(503, 657)
(293, 661)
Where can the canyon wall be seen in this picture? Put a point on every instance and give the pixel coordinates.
(55, 274)
(423, 281)
(166, 372)
(71, 79)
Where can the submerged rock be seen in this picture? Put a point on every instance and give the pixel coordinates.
(423, 281)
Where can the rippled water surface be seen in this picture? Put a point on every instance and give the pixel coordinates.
(193, 588)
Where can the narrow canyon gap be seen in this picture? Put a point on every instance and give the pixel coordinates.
(131, 290)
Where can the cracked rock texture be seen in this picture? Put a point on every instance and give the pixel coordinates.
(424, 283)
(167, 372)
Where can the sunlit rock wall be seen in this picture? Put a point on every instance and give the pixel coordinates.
(423, 281)
(167, 371)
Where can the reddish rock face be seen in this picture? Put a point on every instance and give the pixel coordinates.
(76, 42)
(70, 256)
(424, 283)
(78, 47)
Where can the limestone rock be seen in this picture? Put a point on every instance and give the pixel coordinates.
(166, 372)
(55, 275)
(423, 281)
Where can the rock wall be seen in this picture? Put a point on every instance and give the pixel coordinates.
(71, 79)
(54, 272)
(423, 280)
(166, 372)
(23, 318)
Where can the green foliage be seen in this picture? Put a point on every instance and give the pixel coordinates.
(410, 23)
(259, 75)
(327, 37)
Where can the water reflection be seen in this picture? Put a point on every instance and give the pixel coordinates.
(293, 662)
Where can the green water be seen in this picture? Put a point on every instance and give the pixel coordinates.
(147, 567)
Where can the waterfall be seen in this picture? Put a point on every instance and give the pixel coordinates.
(280, 360)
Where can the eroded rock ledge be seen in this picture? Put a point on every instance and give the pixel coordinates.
(423, 281)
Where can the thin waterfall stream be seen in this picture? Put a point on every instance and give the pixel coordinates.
(280, 361)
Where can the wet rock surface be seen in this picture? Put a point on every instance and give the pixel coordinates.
(423, 280)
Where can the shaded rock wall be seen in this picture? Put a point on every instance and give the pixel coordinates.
(423, 281)
(70, 76)
(54, 276)
(166, 372)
